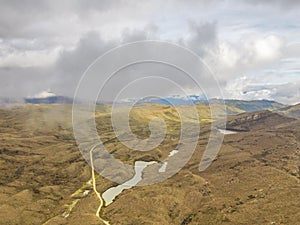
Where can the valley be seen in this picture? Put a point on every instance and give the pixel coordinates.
(45, 179)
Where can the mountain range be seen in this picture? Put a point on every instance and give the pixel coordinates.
(234, 106)
(46, 180)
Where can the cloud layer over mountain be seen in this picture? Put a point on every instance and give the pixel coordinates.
(252, 47)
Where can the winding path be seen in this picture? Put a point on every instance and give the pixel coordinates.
(95, 188)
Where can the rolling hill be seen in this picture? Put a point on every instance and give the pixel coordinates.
(256, 121)
(45, 180)
(249, 106)
(291, 111)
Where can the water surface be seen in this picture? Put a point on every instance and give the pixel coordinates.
(223, 131)
(110, 194)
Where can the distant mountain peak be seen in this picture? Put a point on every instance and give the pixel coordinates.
(48, 97)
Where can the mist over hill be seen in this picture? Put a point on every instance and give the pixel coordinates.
(42, 168)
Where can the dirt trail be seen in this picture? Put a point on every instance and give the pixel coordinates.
(95, 189)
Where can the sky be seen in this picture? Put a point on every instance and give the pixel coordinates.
(254, 46)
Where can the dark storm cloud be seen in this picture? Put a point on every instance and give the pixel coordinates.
(72, 64)
(203, 37)
(27, 18)
(30, 19)
(61, 77)
(84, 30)
(132, 35)
(21, 82)
(15, 15)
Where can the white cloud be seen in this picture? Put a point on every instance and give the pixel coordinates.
(250, 53)
(249, 88)
(30, 58)
(249, 38)
(229, 55)
(266, 49)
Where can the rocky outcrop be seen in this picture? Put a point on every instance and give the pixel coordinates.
(255, 121)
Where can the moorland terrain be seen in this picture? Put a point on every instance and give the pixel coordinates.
(254, 179)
